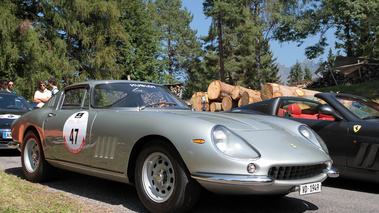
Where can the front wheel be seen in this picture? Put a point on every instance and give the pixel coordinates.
(162, 180)
(34, 165)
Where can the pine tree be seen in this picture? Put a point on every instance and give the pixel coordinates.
(245, 52)
(355, 23)
(296, 73)
(140, 54)
(307, 73)
(179, 39)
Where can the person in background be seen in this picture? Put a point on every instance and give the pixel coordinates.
(3, 85)
(10, 87)
(53, 86)
(42, 95)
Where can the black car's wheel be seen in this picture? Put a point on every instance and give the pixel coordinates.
(162, 181)
(34, 166)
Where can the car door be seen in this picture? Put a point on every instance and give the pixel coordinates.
(66, 129)
(363, 145)
(333, 132)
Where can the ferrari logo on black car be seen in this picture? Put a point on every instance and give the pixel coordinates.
(357, 128)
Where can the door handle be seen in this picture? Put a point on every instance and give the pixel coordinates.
(51, 115)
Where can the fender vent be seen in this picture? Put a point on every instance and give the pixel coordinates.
(295, 172)
(106, 147)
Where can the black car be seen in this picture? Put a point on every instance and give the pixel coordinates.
(348, 124)
(12, 106)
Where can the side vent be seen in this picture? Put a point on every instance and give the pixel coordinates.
(106, 147)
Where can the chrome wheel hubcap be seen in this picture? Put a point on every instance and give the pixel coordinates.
(31, 155)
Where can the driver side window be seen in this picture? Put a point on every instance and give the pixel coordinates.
(75, 98)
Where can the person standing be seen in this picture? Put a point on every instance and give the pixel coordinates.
(42, 95)
(3, 85)
(10, 87)
(53, 86)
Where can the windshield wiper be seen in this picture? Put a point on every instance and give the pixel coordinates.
(158, 103)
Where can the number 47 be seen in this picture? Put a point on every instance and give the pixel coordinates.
(73, 141)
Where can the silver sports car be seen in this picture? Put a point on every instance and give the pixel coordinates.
(141, 134)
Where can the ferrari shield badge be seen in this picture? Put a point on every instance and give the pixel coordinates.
(357, 128)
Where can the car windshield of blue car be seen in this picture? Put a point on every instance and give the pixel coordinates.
(135, 95)
(13, 102)
(362, 108)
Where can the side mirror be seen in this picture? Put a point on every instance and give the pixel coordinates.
(328, 110)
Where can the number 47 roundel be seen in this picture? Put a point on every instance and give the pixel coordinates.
(74, 131)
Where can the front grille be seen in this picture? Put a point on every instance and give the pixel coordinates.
(295, 172)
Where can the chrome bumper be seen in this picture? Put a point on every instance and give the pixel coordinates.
(247, 180)
(332, 173)
(235, 180)
(14, 145)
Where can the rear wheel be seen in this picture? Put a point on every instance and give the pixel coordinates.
(162, 180)
(34, 165)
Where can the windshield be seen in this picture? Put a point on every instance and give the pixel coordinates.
(135, 95)
(13, 102)
(360, 107)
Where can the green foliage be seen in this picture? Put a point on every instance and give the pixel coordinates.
(236, 36)
(355, 23)
(140, 55)
(368, 89)
(151, 40)
(296, 73)
(180, 44)
(307, 73)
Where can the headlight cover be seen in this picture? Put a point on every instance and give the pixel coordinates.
(313, 137)
(232, 145)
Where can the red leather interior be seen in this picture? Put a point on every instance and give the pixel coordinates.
(325, 117)
(297, 113)
(281, 112)
(294, 109)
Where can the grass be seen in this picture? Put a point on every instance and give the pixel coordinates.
(18, 195)
(368, 89)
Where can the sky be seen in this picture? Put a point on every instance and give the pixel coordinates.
(286, 53)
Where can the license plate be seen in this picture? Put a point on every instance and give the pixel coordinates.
(7, 135)
(310, 188)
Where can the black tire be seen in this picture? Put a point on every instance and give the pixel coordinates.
(34, 165)
(162, 181)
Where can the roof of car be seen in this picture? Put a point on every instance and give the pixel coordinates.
(95, 82)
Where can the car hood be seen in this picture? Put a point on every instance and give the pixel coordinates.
(273, 137)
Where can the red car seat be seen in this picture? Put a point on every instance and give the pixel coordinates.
(295, 110)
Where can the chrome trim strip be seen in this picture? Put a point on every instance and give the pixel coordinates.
(92, 171)
(332, 173)
(235, 180)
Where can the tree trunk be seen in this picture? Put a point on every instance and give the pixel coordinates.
(249, 97)
(215, 107)
(238, 91)
(271, 90)
(221, 48)
(197, 103)
(217, 90)
(228, 103)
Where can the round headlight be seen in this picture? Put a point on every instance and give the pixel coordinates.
(313, 137)
(232, 145)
